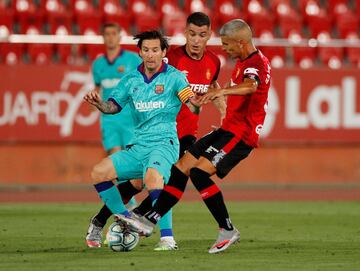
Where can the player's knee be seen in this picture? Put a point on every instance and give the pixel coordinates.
(154, 182)
(97, 174)
(137, 184)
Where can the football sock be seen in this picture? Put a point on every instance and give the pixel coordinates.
(127, 191)
(110, 195)
(103, 215)
(212, 197)
(170, 195)
(165, 222)
(144, 207)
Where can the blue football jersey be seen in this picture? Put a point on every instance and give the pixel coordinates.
(154, 102)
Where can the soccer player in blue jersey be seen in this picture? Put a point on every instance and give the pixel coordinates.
(117, 130)
(154, 93)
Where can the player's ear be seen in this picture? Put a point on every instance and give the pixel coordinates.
(164, 53)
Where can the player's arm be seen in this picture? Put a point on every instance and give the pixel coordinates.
(108, 107)
(220, 102)
(187, 97)
(248, 86)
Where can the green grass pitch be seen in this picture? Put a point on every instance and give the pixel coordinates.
(275, 236)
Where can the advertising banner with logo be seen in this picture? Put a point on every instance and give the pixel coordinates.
(45, 103)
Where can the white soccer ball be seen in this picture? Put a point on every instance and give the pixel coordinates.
(121, 239)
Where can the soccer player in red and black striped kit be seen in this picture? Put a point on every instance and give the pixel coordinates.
(221, 150)
(201, 68)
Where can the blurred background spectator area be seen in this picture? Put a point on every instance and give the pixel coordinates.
(271, 20)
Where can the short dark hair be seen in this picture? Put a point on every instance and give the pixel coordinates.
(110, 24)
(198, 19)
(152, 35)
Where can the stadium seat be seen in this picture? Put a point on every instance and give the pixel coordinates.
(40, 54)
(70, 54)
(11, 54)
(289, 23)
(86, 17)
(347, 25)
(149, 19)
(261, 22)
(94, 50)
(353, 55)
(6, 21)
(276, 55)
(304, 57)
(319, 24)
(226, 10)
(112, 11)
(337, 6)
(168, 7)
(197, 5)
(174, 24)
(332, 57)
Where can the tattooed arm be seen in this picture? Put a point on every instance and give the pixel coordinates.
(109, 107)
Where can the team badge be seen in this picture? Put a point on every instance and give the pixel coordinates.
(208, 74)
(159, 89)
(121, 69)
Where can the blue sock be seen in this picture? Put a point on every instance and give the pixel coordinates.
(111, 197)
(165, 223)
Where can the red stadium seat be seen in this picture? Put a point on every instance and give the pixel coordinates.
(6, 21)
(353, 55)
(332, 57)
(261, 22)
(174, 24)
(112, 11)
(226, 10)
(348, 26)
(70, 54)
(11, 53)
(304, 57)
(319, 24)
(197, 5)
(168, 7)
(40, 53)
(149, 19)
(86, 17)
(289, 23)
(337, 6)
(94, 50)
(276, 55)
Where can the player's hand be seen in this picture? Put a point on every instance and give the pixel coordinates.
(212, 94)
(195, 101)
(93, 97)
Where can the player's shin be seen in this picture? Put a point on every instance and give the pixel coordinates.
(110, 195)
(170, 195)
(212, 197)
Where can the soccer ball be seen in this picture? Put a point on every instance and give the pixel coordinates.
(121, 239)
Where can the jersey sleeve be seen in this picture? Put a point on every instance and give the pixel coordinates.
(96, 75)
(120, 96)
(253, 71)
(184, 91)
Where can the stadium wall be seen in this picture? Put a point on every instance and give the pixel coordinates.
(311, 135)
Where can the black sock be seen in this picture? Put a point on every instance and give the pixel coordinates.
(169, 196)
(144, 207)
(212, 197)
(103, 216)
(127, 191)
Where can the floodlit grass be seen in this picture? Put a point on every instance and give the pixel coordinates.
(275, 236)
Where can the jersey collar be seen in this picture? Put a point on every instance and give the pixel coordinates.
(162, 69)
(112, 62)
(249, 56)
